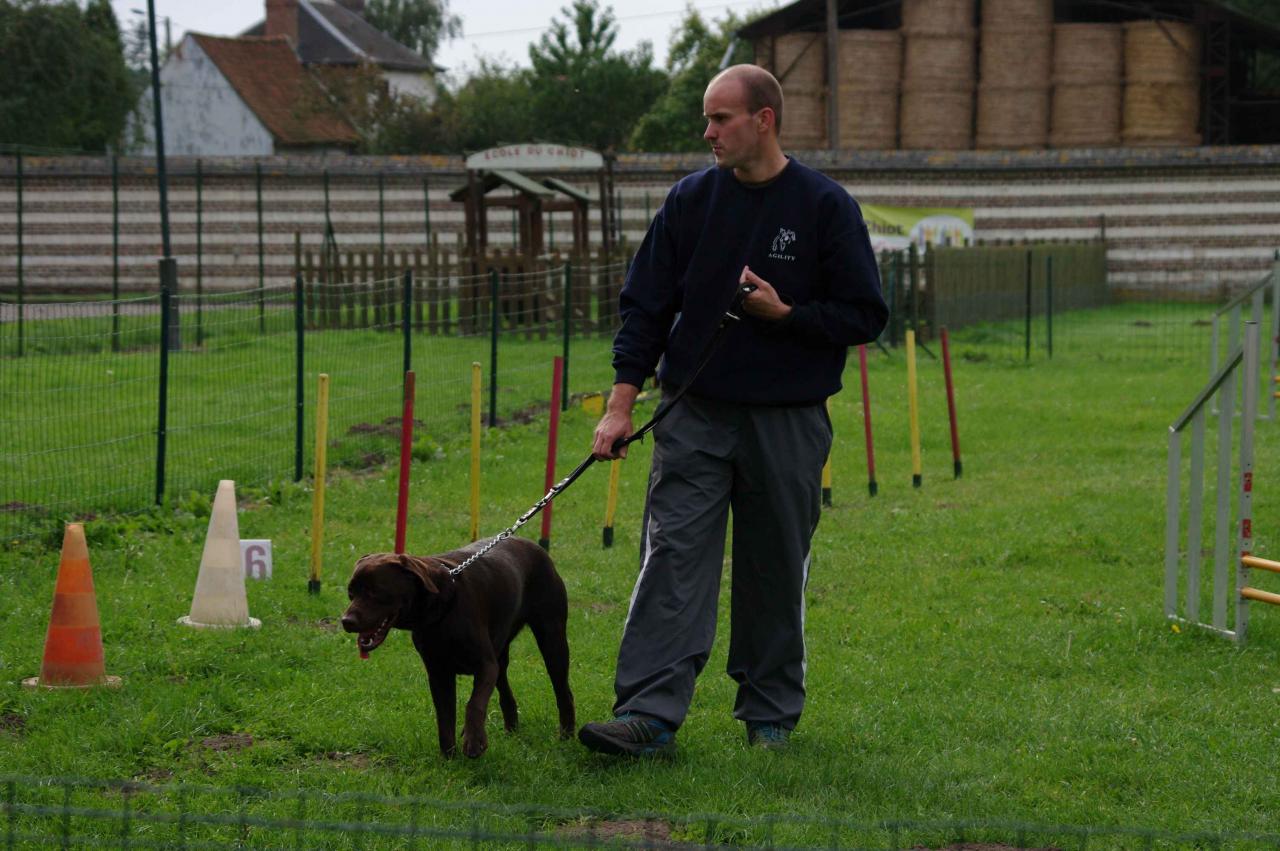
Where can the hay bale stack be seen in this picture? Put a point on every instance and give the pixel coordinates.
(937, 16)
(1014, 72)
(800, 64)
(870, 82)
(1088, 85)
(1162, 86)
(938, 75)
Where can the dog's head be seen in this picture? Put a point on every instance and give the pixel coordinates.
(384, 590)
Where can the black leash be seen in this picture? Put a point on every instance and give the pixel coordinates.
(727, 320)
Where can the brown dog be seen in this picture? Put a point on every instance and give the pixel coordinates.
(464, 624)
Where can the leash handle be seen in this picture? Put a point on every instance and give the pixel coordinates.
(729, 317)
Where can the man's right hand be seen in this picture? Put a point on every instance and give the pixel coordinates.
(616, 422)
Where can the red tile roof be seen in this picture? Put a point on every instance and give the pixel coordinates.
(270, 79)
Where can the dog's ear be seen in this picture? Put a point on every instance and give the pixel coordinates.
(422, 569)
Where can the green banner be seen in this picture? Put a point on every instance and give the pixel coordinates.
(895, 228)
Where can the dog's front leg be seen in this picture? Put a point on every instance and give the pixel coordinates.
(444, 694)
(474, 740)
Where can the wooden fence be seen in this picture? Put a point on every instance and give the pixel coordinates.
(451, 292)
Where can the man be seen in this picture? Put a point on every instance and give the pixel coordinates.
(752, 434)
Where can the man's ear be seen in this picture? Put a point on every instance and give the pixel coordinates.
(421, 569)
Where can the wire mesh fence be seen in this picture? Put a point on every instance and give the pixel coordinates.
(93, 418)
(81, 813)
(96, 415)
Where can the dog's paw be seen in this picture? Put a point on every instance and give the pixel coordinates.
(474, 744)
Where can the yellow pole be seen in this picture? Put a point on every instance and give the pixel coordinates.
(611, 504)
(826, 468)
(916, 472)
(317, 494)
(475, 451)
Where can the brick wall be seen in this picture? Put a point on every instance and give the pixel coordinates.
(1195, 222)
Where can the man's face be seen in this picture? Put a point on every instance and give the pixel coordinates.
(731, 129)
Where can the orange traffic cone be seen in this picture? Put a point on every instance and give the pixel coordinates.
(73, 645)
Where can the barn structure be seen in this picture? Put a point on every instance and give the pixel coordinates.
(1018, 74)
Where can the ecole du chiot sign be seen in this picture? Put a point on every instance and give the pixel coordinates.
(535, 156)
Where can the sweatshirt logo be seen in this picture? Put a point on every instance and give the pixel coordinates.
(780, 244)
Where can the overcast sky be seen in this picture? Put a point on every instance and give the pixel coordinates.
(499, 29)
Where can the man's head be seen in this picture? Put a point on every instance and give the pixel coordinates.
(743, 108)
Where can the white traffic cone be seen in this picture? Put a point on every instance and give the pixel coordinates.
(220, 600)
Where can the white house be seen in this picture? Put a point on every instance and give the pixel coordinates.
(241, 97)
(336, 34)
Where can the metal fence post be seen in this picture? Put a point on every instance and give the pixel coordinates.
(115, 253)
(199, 253)
(1027, 333)
(382, 229)
(1248, 417)
(21, 288)
(1048, 303)
(493, 348)
(262, 308)
(1274, 348)
(406, 325)
(168, 280)
(299, 346)
(568, 319)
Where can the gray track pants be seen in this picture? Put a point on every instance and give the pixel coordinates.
(764, 463)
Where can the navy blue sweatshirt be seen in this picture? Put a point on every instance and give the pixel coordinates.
(803, 234)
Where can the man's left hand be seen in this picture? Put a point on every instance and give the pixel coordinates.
(763, 302)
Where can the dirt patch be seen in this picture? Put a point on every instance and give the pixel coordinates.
(21, 506)
(12, 722)
(155, 776)
(1137, 323)
(600, 608)
(390, 427)
(228, 742)
(1200, 323)
(649, 834)
(348, 759)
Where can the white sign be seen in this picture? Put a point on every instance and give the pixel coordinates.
(535, 156)
(255, 553)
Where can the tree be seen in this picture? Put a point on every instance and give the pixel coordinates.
(419, 24)
(583, 91)
(65, 83)
(493, 107)
(675, 121)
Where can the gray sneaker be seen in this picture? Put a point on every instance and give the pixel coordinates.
(768, 735)
(630, 734)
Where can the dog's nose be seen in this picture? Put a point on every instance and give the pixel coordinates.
(349, 623)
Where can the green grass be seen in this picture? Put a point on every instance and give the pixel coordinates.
(987, 649)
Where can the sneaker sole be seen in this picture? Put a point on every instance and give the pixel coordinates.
(601, 743)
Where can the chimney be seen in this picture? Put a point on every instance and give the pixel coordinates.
(282, 19)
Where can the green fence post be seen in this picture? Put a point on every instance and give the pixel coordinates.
(299, 346)
(405, 325)
(568, 319)
(895, 316)
(168, 283)
(199, 253)
(1048, 303)
(115, 253)
(1027, 334)
(21, 288)
(426, 210)
(493, 348)
(382, 229)
(262, 309)
(914, 273)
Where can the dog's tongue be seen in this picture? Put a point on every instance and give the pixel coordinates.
(364, 654)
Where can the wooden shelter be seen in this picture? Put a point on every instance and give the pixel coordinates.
(532, 199)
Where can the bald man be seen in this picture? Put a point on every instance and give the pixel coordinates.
(752, 434)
